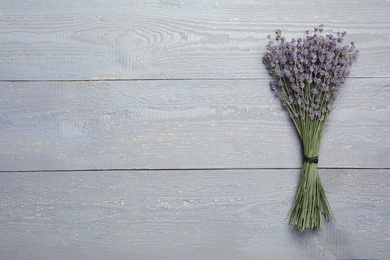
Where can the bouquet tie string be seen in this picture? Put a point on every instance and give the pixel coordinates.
(310, 159)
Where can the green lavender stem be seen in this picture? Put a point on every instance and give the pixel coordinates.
(310, 201)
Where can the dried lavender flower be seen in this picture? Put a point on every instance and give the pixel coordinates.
(307, 74)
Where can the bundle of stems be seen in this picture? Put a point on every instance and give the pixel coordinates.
(307, 75)
(310, 201)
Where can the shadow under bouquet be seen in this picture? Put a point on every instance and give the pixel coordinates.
(307, 74)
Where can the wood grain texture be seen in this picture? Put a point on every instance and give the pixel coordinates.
(181, 124)
(188, 215)
(165, 85)
(45, 40)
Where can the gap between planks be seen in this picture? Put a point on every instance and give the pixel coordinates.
(191, 169)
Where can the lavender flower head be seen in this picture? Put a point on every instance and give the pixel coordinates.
(307, 73)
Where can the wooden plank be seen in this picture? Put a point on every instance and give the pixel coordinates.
(188, 215)
(174, 40)
(181, 124)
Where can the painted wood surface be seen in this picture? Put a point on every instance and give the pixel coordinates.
(237, 214)
(45, 40)
(92, 91)
(181, 124)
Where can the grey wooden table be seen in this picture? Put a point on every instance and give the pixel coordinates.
(147, 130)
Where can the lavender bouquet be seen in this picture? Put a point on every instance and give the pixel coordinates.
(307, 75)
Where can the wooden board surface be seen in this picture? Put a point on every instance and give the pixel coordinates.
(178, 88)
(83, 40)
(188, 215)
(181, 124)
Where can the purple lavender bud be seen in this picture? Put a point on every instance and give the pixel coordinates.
(317, 80)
